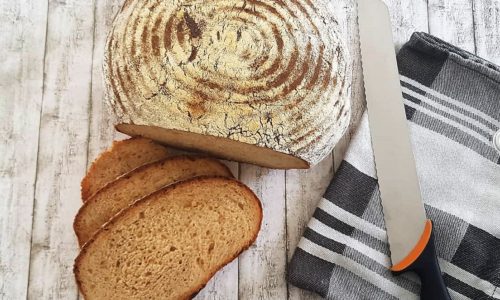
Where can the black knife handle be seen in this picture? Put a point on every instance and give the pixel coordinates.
(427, 268)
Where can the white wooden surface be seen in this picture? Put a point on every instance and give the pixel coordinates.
(53, 124)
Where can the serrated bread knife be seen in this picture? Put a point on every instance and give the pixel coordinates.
(410, 234)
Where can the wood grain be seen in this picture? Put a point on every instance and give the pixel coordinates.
(62, 157)
(487, 29)
(451, 20)
(407, 17)
(347, 16)
(102, 131)
(304, 188)
(262, 267)
(22, 44)
(224, 285)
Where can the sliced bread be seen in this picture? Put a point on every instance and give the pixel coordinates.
(122, 157)
(138, 183)
(169, 244)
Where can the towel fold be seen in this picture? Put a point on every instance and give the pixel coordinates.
(452, 103)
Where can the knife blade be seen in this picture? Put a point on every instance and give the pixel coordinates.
(409, 231)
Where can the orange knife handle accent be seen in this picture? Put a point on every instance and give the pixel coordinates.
(417, 250)
(423, 261)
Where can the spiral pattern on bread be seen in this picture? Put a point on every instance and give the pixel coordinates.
(271, 73)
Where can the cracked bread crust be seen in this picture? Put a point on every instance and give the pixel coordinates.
(273, 74)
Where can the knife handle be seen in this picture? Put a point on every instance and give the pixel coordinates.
(427, 268)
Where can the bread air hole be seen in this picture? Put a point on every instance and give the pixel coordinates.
(199, 261)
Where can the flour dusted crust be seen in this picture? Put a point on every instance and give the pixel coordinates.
(270, 73)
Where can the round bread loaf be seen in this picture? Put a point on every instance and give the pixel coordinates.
(265, 82)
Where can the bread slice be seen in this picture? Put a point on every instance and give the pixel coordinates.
(169, 244)
(122, 157)
(140, 182)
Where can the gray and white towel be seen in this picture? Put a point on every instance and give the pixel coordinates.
(452, 101)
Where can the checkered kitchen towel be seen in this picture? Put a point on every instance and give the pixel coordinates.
(452, 101)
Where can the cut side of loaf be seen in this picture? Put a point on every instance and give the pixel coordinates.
(216, 146)
(122, 157)
(140, 182)
(169, 244)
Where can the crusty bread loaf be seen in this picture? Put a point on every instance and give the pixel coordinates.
(122, 157)
(140, 182)
(169, 244)
(215, 76)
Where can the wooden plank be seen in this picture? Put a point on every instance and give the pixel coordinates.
(102, 131)
(451, 20)
(224, 285)
(22, 44)
(347, 16)
(262, 267)
(487, 29)
(304, 188)
(63, 148)
(407, 17)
